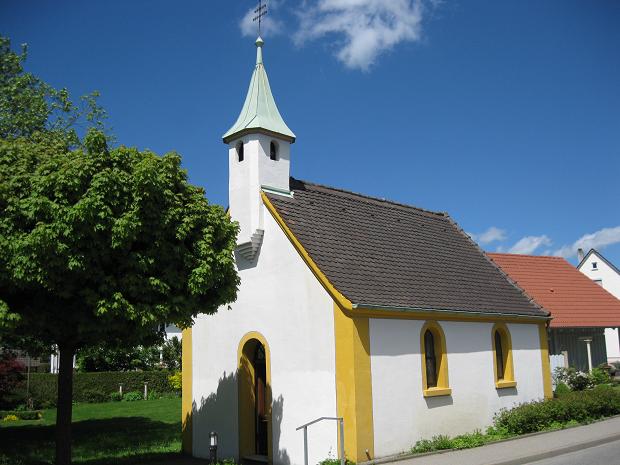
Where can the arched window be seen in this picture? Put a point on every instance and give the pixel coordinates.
(240, 151)
(502, 357)
(273, 150)
(431, 360)
(434, 361)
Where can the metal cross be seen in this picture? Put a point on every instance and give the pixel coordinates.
(260, 12)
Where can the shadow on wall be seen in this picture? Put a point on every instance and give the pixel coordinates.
(219, 412)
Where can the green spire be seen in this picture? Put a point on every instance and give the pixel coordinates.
(259, 112)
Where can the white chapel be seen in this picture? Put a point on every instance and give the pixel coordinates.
(383, 314)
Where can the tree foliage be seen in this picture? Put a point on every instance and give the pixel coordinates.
(98, 244)
(101, 358)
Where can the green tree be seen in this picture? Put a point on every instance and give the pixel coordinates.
(97, 244)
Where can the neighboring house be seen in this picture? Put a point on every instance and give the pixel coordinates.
(605, 274)
(349, 306)
(581, 309)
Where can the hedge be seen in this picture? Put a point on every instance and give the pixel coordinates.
(88, 387)
(578, 406)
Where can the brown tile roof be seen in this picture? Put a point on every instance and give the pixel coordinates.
(389, 255)
(573, 299)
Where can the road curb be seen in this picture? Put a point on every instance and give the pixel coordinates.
(519, 461)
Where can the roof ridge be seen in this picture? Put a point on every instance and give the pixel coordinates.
(369, 197)
(526, 255)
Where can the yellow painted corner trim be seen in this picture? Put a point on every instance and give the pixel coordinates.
(187, 400)
(354, 384)
(507, 378)
(245, 426)
(329, 287)
(546, 365)
(435, 392)
(441, 354)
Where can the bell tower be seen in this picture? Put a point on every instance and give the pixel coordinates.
(259, 156)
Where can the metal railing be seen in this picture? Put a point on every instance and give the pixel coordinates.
(340, 421)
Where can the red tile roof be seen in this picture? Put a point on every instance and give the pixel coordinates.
(573, 299)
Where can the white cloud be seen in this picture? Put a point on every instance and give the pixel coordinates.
(493, 234)
(365, 28)
(596, 240)
(528, 244)
(270, 26)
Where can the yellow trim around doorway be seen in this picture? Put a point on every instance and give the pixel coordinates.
(546, 365)
(186, 391)
(354, 384)
(245, 395)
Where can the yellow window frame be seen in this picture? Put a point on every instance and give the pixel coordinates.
(441, 354)
(507, 378)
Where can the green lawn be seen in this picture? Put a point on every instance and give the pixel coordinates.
(109, 433)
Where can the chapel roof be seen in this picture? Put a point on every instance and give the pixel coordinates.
(386, 255)
(259, 112)
(573, 299)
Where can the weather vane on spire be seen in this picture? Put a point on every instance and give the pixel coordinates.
(260, 12)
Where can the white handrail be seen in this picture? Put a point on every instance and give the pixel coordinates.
(340, 421)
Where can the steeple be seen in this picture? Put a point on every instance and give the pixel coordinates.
(259, 113)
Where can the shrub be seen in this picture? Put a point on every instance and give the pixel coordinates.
(599, 376)
(579, 382)
(116, 397)
(467, 441)
(581, 407)
(10, 375)
(23, 414)
(561, 389)
(439, 442)
(43, 386)
(132, 396)
(175, 380)
(154, 395)
(574, 379)
(94, 396)
(10, 418)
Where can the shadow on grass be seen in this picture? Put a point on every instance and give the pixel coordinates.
(123, 440)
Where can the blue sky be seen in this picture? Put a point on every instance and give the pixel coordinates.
(505, 114)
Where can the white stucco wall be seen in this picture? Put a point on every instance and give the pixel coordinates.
(281, 299)
(610, 280)
(402, 415)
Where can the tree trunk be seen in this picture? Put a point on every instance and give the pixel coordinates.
(64, 407)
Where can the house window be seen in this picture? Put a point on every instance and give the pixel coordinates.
(595, 265)
(273, 150)
(434, 361)
(502, 357)
(240, 151)
(599, 282)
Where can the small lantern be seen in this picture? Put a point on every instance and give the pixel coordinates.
(213, 447)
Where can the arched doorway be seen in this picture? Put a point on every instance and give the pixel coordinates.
(254, 378)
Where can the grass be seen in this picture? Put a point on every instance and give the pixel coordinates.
(112, 432)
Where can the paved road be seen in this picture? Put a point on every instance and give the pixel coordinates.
(605, 454)
(541, 447)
